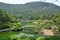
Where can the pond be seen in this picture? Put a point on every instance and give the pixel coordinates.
(29, 35)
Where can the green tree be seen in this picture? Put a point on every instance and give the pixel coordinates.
(5, 19)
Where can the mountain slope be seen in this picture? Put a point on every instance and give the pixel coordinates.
(30, 10)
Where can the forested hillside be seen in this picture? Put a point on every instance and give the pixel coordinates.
(30, 10)
(30, 21)
(6, 19)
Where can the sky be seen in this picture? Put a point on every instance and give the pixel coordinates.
(25, 1)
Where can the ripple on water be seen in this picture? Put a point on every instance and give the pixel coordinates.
(29, 35)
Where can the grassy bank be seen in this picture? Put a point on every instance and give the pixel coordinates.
(5, 35)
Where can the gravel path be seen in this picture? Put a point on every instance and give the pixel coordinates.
(4, 30)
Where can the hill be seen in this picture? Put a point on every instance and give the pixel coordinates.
(31, 10)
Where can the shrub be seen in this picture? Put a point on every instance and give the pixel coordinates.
(13, 37)
(23, 37)
(32, 38)
(40, 38)
(52, 38)
(14, 26)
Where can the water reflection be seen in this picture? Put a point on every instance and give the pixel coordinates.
(29, 35)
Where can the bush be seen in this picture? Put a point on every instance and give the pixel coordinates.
(24, 37)
(40, 38)
(32, 38)
(13, 37)
(52, 38)
(14, 26)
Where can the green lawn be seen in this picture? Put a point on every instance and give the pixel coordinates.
(5, 35)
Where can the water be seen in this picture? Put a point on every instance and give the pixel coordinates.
(29, 35)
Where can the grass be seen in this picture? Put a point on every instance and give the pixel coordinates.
(5, 35)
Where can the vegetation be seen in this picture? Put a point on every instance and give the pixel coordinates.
(5, 35)
(37, 38)
(31, 10)
(8, 21)
(31, 19)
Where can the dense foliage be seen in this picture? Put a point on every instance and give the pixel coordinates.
(30, 18)
(7, 20)
(24, 37)
(31, 10)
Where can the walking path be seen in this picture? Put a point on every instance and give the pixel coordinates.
(4, 30)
